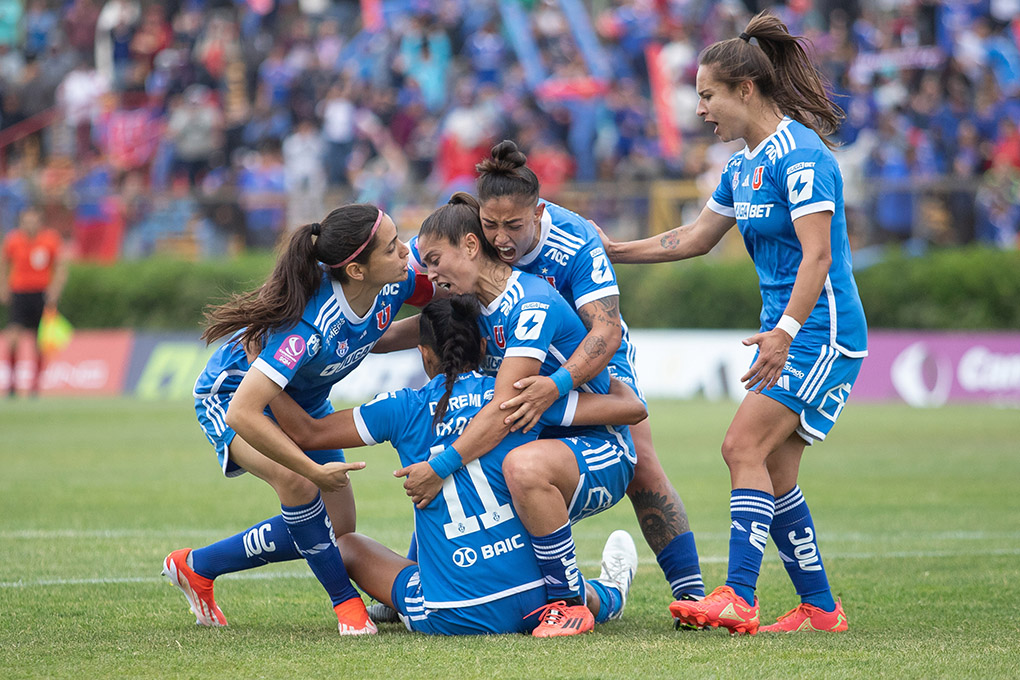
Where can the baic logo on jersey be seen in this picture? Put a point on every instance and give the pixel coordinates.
(382, 319)
(499, 335)
(756, 181)
(291, 351)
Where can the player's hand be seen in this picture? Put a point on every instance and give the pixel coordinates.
(422, 483)
(773, 349)
(537, 394)
(333, 476)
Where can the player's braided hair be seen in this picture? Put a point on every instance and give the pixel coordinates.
(281, 300)
(455, 220)
(449, 327)
(780, 68)
(504, 173)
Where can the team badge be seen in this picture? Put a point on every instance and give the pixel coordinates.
(756, 181)
(736, 180)
(499, 336)
(341, 348)
(382, 319)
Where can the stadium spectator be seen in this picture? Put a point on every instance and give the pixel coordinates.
(33, 270)
(762, 88)
(195, 128)
(303, 174)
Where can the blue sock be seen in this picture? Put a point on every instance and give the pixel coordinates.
(412, 552)
(751, 514)
(610, 600)
(268, 541)
(558, 563)
(679, 562)
(794, 535)
(312, 532)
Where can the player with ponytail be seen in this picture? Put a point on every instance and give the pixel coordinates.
(784, 191)
(333, 292)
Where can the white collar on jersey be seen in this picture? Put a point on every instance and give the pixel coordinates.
(345, 306)
(761, 145)
(493, 306)
(546, 225)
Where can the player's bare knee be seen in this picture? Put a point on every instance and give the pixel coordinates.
(525, 469)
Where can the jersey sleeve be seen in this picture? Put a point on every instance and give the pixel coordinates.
(286, 351)
(423, 290)
(808, 179)
(414, 256)
(721, 201)
(531, 327)
(381, 419)
(561, 412)
(592, 276)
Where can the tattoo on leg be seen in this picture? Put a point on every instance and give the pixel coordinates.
(661, 518)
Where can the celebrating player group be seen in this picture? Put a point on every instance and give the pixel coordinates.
(533, 418)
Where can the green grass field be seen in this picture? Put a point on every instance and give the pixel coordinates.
(918, 515)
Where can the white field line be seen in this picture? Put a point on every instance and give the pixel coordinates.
(705, 559)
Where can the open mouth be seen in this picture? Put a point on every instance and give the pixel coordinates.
(506, 254)
(444, 286)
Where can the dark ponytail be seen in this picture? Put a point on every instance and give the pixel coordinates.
(281, 300)
(449, 327)
(504, 173)
(777, 63)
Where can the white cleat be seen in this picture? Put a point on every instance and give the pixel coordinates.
(619, 564)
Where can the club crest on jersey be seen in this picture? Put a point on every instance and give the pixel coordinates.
(756, 181)
(382, 319)
(499, 335)
(291, 351)
(342, 347)
(736, 180)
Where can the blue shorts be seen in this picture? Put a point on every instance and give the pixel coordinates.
(815, 383)
(505, 615)
(607, 466)
(622, 368)
(212, 412)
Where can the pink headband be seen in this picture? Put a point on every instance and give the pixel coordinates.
(375, 228)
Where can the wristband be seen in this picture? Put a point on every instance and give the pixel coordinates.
(789, 324)
(564, 381)
(447, 462)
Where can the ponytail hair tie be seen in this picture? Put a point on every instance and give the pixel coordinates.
(375, 228)
(316, 228)
(745, 37)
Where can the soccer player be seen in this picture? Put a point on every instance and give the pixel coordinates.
(332, 294)
(531, 330)
(33, 271)
(545, 239)
(785, 193)
(476, 572)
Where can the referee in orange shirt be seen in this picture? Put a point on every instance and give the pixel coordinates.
(32, 274)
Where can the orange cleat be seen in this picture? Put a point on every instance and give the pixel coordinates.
(558, 619)
(806, 617)
(352, 618)
(198, 590)
(721, 607)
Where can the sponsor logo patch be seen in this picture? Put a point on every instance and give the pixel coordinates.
(291, 351)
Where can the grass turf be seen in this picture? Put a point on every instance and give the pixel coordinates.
(917, 513)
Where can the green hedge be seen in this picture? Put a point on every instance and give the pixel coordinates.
(953, 289)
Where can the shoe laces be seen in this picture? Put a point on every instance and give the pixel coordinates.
(551, 614)
(803, 607)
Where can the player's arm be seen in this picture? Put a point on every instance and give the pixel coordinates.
(246, 416)
(486, 430)
(689, 240)
(537, 393)
(335, 431)
(774, 345)
(620, 407)
(402, 334)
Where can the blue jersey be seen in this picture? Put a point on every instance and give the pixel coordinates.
(329, 342)
(472, 547)
(791, 174)
(530, 319)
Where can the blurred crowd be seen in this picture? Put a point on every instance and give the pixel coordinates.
(216, 124)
